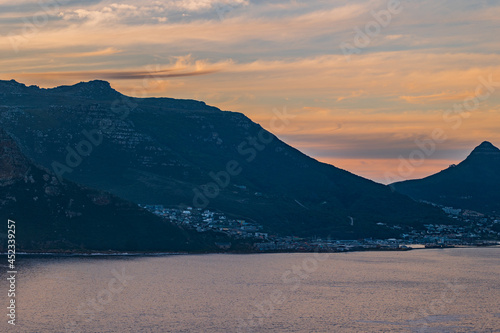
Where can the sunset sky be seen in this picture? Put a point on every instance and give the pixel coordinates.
(430, 66)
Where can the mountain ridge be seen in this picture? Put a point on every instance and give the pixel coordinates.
(168, 151)
(95, 89)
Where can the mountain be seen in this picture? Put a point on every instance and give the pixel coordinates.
(185, 153)
(473, 184)
(54, 216)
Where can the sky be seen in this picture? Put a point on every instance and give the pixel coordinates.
(389, 89)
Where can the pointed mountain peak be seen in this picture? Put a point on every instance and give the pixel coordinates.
(486, 147)
(486, 151)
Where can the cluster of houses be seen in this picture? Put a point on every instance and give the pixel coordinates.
(206, 220)
(472, 228)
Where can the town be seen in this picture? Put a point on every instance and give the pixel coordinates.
(472, 229)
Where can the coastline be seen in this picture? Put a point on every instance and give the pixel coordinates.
(56, 253)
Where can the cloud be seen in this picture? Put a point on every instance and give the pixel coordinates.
(117, 75)
(146, 11)
(197, 5)
(394, 37)
(440, 97)
(107, 15)
(254, 56)
(353, 94)
(103, 52)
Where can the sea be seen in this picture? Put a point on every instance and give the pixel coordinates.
(427, 290)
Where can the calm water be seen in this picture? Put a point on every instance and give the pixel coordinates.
(452, 290)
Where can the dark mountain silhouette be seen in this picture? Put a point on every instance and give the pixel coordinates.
(51, 216)
(473, 184)
(183, 152)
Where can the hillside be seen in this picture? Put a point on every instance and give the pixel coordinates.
(473, 184)
(51, 216)
(185, 153)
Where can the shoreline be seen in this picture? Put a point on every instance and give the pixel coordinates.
(159, 254)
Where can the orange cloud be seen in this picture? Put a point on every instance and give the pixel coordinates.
(98, 53)
(394, 91)
(441, 97)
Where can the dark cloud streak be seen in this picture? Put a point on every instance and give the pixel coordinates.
(122, 75)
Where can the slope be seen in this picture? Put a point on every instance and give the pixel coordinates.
(183, 152)
(473, 184)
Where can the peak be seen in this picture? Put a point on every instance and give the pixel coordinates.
(99, 83)
(10, 82)
(90, 84)
(96, 89)
(484, 152)
(486, 144)
(14, 83)
(486, 147)
(92, 89)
